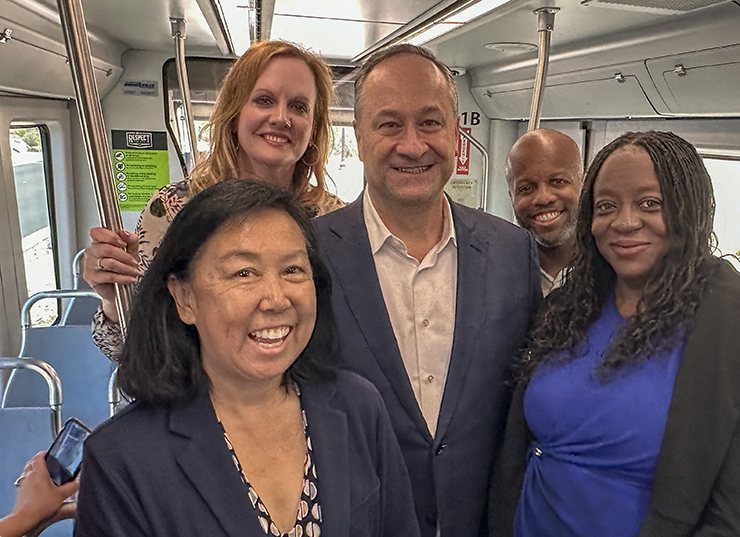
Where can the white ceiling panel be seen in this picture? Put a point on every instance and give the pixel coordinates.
(340, 39)
(140, 24)
(343, 29)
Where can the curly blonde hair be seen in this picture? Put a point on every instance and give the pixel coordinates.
(220, 164)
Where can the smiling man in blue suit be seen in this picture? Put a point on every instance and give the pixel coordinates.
(432, 298)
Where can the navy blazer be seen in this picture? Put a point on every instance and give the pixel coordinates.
(498, 291)
(159, 472)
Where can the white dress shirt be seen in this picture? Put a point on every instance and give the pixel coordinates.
(549, 283)
(420, 299)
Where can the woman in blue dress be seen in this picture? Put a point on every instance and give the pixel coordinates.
(624, 421)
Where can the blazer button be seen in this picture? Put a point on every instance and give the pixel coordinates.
(440, 449)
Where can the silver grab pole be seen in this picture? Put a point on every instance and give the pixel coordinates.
(483, 201)
(178, 33)
(114, 394)
(93, 131)
(545, 25)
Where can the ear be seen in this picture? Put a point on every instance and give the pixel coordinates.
(358, 137)
(184, 299)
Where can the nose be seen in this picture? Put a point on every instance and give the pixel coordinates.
(411, 145)
(544, 196)
(274, 298)
(280, 116)
(628, 219)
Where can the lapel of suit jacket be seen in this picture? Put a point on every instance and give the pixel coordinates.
(205, 460)
(351, 258)
(704, 410)
(471, 272)
(328, 429)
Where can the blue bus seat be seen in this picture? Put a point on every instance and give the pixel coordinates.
(81, 309)
(26, 431)
(84, 372)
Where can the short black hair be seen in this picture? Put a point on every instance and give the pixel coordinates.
(396, 50)
(160, 363)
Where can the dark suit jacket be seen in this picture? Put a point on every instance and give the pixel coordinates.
(158, 472)
(498, 290)
(697, 481)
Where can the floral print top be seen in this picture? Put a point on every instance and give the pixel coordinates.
(308, 517)
(159, 212)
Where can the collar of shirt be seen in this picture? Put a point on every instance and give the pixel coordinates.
(549, 283)
(380, 235)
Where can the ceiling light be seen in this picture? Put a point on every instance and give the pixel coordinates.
(449, 23)
(511, 47)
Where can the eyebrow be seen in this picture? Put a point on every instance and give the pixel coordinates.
(258, 89)
(394, 112)
(248, 255)
(642, 190)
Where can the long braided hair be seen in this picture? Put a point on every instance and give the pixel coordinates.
(672, 293)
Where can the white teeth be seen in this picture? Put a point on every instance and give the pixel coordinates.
(546, 217)
(272, 138)
(271, 333)
(418, 169)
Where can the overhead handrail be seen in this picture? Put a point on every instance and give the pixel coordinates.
(545, 26)
(178, 33)
(54, 293)
(93, 131)
(483, 198)
(52, 381)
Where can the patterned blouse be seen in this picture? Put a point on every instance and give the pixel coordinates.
(308, 517)
(159, 212)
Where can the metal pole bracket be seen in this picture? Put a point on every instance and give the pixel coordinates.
(546, 18)
(178, 27)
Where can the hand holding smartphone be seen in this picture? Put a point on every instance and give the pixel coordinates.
(64, 457)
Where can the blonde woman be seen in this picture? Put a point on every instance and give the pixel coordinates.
(270, 123)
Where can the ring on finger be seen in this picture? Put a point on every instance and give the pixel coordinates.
(99, 265)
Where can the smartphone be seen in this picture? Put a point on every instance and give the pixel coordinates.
(64, 457)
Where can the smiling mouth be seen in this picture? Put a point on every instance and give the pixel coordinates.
(275, 139)
(629, 249)
(544, 218)
(414, 170)
(270, 337)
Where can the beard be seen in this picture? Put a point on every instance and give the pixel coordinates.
(566, 235)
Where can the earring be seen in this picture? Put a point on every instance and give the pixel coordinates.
(313, 148)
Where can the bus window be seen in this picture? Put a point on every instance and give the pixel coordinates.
(344, 167)
(35, 197)
(725, 176)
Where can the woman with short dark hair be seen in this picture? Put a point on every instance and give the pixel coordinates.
(625, 418)
(241, 426)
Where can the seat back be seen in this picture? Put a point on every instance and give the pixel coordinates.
(82, 368)
(81, 308)
(26, 431)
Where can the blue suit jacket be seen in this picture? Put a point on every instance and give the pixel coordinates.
(498, 291)
(158, 472)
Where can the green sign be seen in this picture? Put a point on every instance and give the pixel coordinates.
(140, 166)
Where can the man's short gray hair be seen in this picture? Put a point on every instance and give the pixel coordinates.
(396, 50)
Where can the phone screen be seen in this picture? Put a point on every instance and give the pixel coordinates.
(65, 454)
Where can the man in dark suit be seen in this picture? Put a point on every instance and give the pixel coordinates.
(432, 298)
